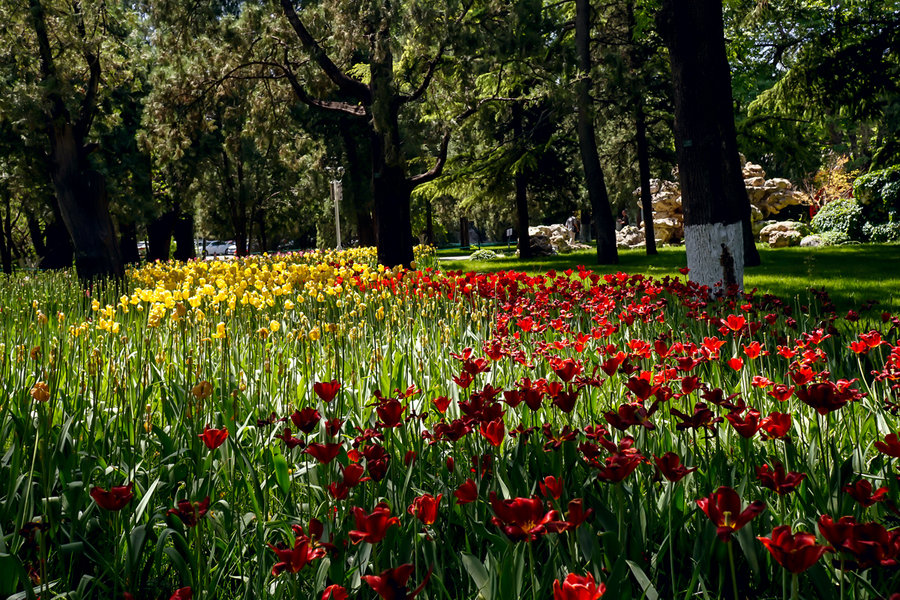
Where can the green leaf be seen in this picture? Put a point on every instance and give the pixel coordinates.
(643, 580)
(478, 574)
(281, 472)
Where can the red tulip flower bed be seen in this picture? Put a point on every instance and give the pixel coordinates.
(496, 436)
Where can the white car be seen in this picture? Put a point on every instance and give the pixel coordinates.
(220, 248)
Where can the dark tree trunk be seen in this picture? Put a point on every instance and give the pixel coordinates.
(520, 182)
(56, 242)
(128, 243)
(357, 176)
(643, 152)
(429, 223)
(6, 241)
(159, 237)
(80, 191)
(607, 254)
(712, 188)
(183, 232)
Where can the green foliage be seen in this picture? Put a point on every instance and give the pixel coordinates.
(484, 254)
(835, 238)
(879, 194)
(882, 233)
(842, 216)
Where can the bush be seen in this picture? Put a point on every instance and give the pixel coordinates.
(882, 233)
(879, 194)
(484, 254)
(841, 216)
(834, 238)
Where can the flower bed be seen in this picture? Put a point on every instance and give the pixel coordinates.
(306, 427)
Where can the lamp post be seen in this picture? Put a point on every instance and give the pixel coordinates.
(337, 194)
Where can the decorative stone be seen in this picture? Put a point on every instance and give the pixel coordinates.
(812, 241)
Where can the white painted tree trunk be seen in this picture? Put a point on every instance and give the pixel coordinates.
(715, 255)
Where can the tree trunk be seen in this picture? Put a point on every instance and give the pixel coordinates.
(607, 254)
(643, 152)
(159, 237)
(80, 191)
(55, 244)
(6, 242)
(709, 169)
(429, 223)
(356, 176)
(128, 243)
(183, 232)
(520, 181)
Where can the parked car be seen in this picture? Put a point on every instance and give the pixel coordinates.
(220, 248)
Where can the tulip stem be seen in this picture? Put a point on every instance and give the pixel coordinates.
(671, 541)
(795, 586)
(734, 588)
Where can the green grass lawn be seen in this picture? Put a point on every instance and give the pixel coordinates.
(850, 274)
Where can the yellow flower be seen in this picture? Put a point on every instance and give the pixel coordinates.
(220, 331)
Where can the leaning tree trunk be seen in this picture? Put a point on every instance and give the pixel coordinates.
(607, 254)
(712, 188)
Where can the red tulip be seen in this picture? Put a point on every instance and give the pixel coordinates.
(576, 514)
(670, 466)
(334, 592)
(466, 493)
(777, 480)
(184, 593)
(425, 508)
(796, 552)
(294, 559)
(781, 392)
(890, 445)
(523, 519)
(327, 390)
(441, 403)
(619, 466)
(306, 420)
(734, 322)
(551, 487)
(861, 491)
(746, 426)
(391, 584)
(825, 397)
(115, 499)
(776, 425)
(372, 527)
(189, 512)
(390, 412)
(736, 363)
(724, 508)
(493, 431)
(578, 587)
(324, 453)
(566, 369)
(213, 438)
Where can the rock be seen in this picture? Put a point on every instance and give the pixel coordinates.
(812, 241)
(629, 237)
(782, 233)
(782, 239)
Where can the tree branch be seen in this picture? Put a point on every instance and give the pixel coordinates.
(48, 67)
(438, 168)
(86, 114)
(346, 84)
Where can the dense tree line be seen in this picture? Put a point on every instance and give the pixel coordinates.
(165, 121)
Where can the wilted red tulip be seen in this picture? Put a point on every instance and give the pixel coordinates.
(466, 493)
(425, 508)
(824, 396)
(493, 432)
(725, 509)
(213, 438)
(670, 466)
(523, 519)
(796, 552)
(391, 584)
(372, 527)
(861, 491)
(327, 390)
(115, 499)
(566, 369)
(334, 592)
(294, 559)
(578, 587)
(324, 453)
(551, 487)
(619, 466)
(189, 512)
(289, 440)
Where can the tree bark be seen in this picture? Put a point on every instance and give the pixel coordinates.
(183, 232)
(643, 152)
(128, 243)
(605, 225)
(159, 237)
(709, 169)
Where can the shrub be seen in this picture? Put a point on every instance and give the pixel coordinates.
(842, 216)
(484, 254)
(879, 194)
(834, 238)
(882, 233)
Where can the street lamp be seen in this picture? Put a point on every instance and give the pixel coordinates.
(337, 194)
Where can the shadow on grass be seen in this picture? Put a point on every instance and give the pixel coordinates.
(850, 274)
